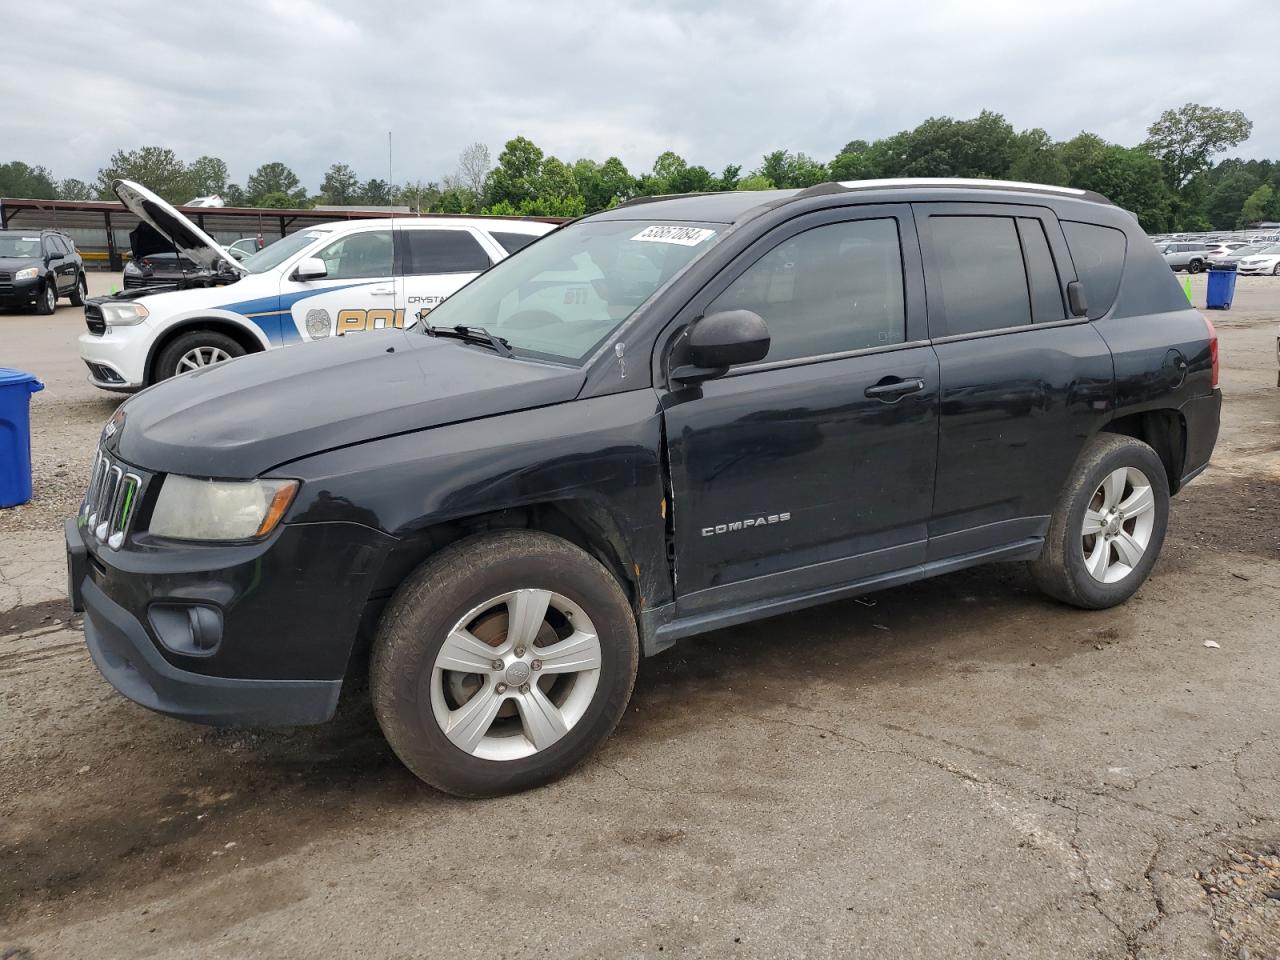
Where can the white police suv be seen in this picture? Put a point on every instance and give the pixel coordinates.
(329, 280)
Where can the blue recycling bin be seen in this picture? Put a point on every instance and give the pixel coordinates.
(1222, 287)
(16, 388)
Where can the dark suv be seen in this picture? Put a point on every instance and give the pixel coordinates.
(37, 267)
(671, 417)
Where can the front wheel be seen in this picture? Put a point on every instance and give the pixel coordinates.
(1108, 527)
(194, 351)
(502, 662)
(1195, 266)
(47, 301)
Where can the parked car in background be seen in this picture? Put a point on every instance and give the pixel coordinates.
(329, 280)
(245, 246)
(165, 270)
(211, 201)
(1266, 260)
(37, 267)
(1189, 255)
(678, 415)
(1228, 259)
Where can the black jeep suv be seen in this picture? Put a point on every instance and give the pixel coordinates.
(37, 267)
(671, 417)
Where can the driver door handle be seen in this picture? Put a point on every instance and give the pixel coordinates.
(890, 389)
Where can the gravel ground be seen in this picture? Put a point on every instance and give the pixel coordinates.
(952, 769)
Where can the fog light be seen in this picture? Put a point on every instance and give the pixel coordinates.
(193, 630)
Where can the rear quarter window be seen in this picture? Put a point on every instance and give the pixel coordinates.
(511, 242)
(1098, 254)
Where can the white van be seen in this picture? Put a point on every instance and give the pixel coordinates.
(329, 280)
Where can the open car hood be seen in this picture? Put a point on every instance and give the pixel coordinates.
(175, 231)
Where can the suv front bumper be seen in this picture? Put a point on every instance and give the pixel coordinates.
(286, 632)
(21, 293)
(122, 350)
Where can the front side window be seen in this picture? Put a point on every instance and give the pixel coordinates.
(358, 256)
(442, 251)
(565, 295)
(828, 290)
(980, 273)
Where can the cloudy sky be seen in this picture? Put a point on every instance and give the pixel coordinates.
(313, 82)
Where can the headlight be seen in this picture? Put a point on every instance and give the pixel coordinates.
(123, 313)
(30, 273)
(191, 509)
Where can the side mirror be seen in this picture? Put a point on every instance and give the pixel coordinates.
(720, 341)
(311, 268)
(1077, 300)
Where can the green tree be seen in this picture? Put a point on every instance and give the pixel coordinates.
(729, 177)
(755, 182)
(1130, 178)
(1036, 159)
(206, 176)
(156, 168)
(785, 169)
(420, 197)
(853, 166)
(1187, 139)
(514, 178)
(1079, 153)
(1258, 207)
(17, 179)
(1227, 197)
(340, 185)
(234, 196)
(73, 189)
(275, 178)
(375, 193)
(276, 200)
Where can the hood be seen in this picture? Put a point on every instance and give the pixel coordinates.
(240, 419)
(14, 264)
(166, 229)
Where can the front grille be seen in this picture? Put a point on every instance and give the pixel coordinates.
(111, 501)
(93, 319)
(5, 278)
(131, 282)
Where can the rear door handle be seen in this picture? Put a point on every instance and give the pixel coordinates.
(381, 292)
(891, 389)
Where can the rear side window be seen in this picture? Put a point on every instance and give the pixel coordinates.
(442, 251)
(1098, 253)
(828, 290)
(1046, 291)
(980, 273)
(511, 242)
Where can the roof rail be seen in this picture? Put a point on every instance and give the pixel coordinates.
(653, 198)
(959, 182)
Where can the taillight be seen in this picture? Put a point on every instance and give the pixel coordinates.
(1213, 348)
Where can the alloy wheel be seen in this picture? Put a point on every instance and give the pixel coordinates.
(198, 357)
(515, 674)
(1118, 524)
(50, 298)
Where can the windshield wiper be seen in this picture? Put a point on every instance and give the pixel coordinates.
(471, 335)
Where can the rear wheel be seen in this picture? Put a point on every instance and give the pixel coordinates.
(47, 301)
(194, 351)
(1108, 527)
(502, 662)
(80, 291)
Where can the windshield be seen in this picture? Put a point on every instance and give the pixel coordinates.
(270, 257)
(1270, 251)
(19, 245)
(561, 297)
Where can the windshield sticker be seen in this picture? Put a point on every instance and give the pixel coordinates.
(30, 239)
(684, 236)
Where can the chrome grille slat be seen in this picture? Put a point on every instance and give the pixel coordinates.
(110, 501)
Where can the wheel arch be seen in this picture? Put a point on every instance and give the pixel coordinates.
(581, 522)
(238, 332)
(1164, 430)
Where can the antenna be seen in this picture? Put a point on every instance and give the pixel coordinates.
(391, 182)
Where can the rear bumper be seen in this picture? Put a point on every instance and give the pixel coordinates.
(1202, 416)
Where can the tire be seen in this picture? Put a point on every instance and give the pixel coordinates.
(1063, 569)
(80, 291)
(466, 585)
(1275, 271)
(1195, 266)
(190, 351)
(47, 302)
